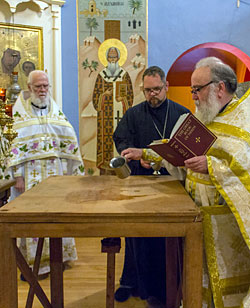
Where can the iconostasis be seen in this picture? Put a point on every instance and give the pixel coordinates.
(30, 38)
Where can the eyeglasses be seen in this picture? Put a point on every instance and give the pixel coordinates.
(45, 86)
(156, 90)
(196, 89)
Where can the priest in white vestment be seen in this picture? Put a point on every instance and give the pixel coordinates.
(46, 145)
(219, 182)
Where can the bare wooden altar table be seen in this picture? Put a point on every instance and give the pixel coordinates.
(99, 206)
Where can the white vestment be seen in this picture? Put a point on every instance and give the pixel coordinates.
(224, 197)
(46, 145)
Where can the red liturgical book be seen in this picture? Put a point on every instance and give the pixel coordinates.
(189, 138)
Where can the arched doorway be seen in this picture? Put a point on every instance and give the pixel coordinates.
(179, 75)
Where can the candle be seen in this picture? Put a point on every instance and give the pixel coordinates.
(2, 94)
(8, 110)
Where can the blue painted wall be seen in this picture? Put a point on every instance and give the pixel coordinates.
(174, 26)
(69, 64)
(179, 25)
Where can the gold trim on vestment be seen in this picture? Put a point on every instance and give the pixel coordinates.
(220, 287)
(22, 139)
(211, 257)
(235, 285)
(234, 105)
(198, 180)
(43, 120)
(231, 130)
(207, 296)
(48, 156)
(228, 201)
(234, 165)
(28, 108)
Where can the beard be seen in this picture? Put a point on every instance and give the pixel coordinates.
(206, 111)
(40, 102)
(155, 102)
(113, 67)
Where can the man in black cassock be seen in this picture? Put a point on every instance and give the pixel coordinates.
(144, 271)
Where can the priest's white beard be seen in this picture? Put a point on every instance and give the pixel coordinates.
(207, 110)
(113, 68)
(40, 102)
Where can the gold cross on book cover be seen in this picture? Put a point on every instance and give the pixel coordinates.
(189, 138)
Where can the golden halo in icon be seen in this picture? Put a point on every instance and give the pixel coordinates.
(112, 43)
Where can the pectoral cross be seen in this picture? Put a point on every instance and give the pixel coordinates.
(118, 118)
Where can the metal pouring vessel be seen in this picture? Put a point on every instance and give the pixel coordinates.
(119, 164)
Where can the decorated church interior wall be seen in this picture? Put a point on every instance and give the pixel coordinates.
(179, 33)
(33, 29)
(175, 29)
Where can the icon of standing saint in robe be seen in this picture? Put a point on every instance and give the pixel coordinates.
(113, 95)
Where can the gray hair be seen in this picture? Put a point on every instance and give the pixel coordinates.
(220, 72)
(35, 72)
(153, 71)
(116, 49)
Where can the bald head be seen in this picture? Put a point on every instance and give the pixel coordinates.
(219, 71)
(37, 74)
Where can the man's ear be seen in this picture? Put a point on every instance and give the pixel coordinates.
(167, 85)
(29, 87)
(221, 89)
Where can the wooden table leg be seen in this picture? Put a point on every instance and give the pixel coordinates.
(193, 250)
(111, 246)
(38, 256)
(56, 272)
(31, 278)
(8, 271)
(173, 272)
(110, 289)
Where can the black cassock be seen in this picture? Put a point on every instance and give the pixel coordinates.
(145, 261)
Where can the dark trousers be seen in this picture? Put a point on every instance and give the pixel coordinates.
(145, 266)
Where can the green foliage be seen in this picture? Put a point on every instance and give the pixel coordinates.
(91, 23)
(17, 114)
(85, 63)
(81, 168)
(135, 5)
(93, 66)
(24, 148)
(90, 171)
(6, 177)
(62, 145)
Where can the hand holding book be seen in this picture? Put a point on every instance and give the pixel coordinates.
(189, 138)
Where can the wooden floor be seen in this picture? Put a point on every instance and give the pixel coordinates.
(85, 282)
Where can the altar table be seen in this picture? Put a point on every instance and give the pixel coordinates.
(99, 206)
